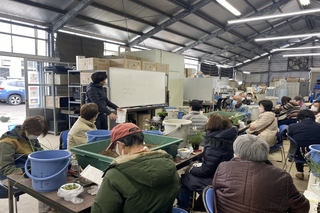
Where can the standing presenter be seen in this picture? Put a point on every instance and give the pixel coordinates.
(95, 93)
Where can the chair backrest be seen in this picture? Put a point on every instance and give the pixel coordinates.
(178, 210)
(280, 133)
(64, 139)
(208, 199)
(218, 105)
(294, 147)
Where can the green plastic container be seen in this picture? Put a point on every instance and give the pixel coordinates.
(89, 153)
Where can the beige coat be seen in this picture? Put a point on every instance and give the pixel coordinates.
(269, 134)
(318, 118)
(77, 133)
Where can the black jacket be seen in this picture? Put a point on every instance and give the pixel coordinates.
(218, 148)
(305, 133)
(96, 94)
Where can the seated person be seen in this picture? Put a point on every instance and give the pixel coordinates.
(220, 134)
(289, 111)
(300, 102)
(266, 125)
(250, 183)
(248, 99)
(138, 180)
(306, 132)
(238, 106)
(17, 144)
(198, 120)
(77, 134)
(315, 108)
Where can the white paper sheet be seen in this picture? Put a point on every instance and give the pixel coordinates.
(93, 174)
(121, 116)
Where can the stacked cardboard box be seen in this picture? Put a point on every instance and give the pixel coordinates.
(93, 64)
(162, 68)
(126, 63)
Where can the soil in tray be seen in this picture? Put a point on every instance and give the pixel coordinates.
(112, 152)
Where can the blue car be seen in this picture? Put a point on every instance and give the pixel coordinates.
(12, 91)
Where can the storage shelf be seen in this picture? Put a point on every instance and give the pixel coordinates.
(75, 102)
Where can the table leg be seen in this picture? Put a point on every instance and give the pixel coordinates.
(10, 196)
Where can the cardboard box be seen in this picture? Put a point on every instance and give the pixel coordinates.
(62, 79)
(189, 72)
(292, 79)
(122, 57)
(141, 120)
(126, 63)
(93, 64)
(275, 79)
(61, 101)
(163, 68)
(148, 65)
(85, 77)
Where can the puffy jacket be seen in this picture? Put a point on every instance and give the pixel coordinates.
(199, 121)
(144, 182)
(96, 94)
(217, 148)
(15, 148)
(256, 187)
(77, 133)
(266, 119)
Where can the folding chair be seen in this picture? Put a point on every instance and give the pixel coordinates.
(208, 199)
(279, 144)
(64, 139)
(292, 154)
(16, 194)
(178, 210)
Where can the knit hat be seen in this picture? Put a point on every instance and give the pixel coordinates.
(121, 131)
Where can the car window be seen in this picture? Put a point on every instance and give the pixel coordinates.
(12, 83)
(20, 83)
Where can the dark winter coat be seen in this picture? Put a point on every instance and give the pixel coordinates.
(217, 148)
(256, 187)
(96, 94)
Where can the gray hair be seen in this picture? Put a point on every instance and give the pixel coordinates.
(250, 147)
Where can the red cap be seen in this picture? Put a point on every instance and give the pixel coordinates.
(120, 131)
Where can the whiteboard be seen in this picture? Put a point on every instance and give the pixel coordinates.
(199, 88)
(128, 88)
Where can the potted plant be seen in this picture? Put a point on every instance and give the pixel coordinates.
(162, 114)
(195, 139)
(234, 120)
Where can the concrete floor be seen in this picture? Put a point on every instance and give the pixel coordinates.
(28, 204)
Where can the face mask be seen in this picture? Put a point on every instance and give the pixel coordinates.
(249, 98)
(261, 109)
(234, 102)
(32, 137)
(315, 109)
(118, 150)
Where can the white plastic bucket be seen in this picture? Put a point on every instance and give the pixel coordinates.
(172, 113)
(254, 112)
(179, 128)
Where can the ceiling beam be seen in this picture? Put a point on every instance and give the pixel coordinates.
(70, 15)
(228, 28)
(251, 38)
(169, 22)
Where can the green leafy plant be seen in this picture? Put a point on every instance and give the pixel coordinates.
(234, 119)
(195, 137)
(314, 166)
(162, 114)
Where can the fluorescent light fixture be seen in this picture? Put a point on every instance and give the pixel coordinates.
(304, 2)
(229, 7)
(248, 60)
(296, 48)
(302, 54)
(246, 72)
(287, 37)
(302, 12)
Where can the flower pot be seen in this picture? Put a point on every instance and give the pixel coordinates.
(195, 146)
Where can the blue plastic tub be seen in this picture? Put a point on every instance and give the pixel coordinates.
(97, 135)
(154, 132)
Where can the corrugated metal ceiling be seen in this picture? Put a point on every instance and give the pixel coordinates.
(202, 33)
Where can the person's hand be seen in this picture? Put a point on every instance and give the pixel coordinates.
(119, 109)
(252, 127)
(113, 116)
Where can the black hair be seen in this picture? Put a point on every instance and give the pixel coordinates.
(249, 93)
(196, 105)
(305, 114)
(130, 140)
(285, 100)
(267, 105)
(97, 77)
